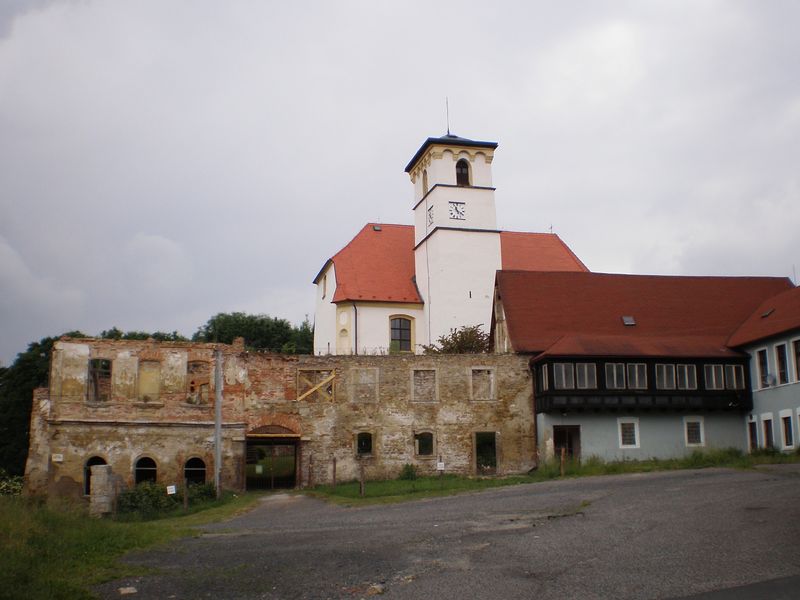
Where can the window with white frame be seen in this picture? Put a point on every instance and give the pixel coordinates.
(615, 376)
(563, 376)
(694, 431)
(763, 368)
(782, 363)
(687, 377)
(796, 360)
(766, 424)
(787, 429)
(545, 378)
(665, 377)
(715, 377)
(734, 377)
(628, 432)
(586, 376)
(637, 376)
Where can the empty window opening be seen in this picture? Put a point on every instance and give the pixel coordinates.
(486, 452)
(401, 335)
(567, 437)
(364, 443)
(87, 473)
(423, 444)
(423, 385)
(99, 388)
(198, 376)
(665, 377)
(194, 471)
(149, 380)
(145, 470)
(316, 385)
(462, 172)
(482, 384)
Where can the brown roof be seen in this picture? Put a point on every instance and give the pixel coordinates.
(581, 313)
(776, 315)
(537, 252)
(378, 263)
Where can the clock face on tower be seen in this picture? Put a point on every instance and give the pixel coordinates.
(458, 210)
(430, 215)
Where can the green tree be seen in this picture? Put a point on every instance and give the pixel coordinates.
(464, 340)
(260, 332)
(17, 382)
(117, 334)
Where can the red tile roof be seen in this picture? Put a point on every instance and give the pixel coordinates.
(378, 265)
(537, 252)
(777, 315)
(581, 313)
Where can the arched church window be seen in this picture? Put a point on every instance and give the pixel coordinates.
(401, 335)
(87, 473)
(424, 182)
(462, 172)
(145, 470)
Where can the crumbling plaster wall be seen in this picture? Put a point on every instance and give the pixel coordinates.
(371, 394)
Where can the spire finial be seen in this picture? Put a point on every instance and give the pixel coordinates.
(447, 112)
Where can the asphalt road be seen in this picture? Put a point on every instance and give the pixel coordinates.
(706, 535)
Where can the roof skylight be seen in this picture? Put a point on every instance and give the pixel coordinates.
(628, 321)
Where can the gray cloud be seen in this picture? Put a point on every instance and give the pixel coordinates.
(165, 161)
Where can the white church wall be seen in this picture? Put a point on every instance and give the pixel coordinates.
(325, 313)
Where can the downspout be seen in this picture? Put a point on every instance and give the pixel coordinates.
(355, 328)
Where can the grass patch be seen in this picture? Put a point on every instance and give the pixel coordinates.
(403, 489)
(56, 552)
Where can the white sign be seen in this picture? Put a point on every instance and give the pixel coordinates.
(171, 489)
(57, 458)
(440, 466)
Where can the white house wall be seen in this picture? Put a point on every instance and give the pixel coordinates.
(776, 401)
(325, 313)
(659, 435)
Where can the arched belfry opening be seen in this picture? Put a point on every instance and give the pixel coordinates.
(272, 459)
(462, 172)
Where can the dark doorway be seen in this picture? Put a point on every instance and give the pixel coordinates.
(87, 473)
(270, 464)
(485, 452)
(567, 437)
(752, 431)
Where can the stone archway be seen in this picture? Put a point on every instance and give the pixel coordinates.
(272, 457)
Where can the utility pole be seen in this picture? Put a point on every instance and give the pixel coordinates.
(217, 420)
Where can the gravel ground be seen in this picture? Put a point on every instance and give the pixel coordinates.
(658, 535)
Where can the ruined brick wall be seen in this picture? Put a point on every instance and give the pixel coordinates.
(157, 400)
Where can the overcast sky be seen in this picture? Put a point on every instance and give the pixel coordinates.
(163, 161)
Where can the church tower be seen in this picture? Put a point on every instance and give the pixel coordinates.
(456, 240)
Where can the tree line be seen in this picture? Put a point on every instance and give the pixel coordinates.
(31, 367)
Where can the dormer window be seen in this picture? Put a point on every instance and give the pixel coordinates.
(462, 172)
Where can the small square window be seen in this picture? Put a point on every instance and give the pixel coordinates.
(694, 431)
(423, 443)
(364, 443)
(482, 384)
(628, 432)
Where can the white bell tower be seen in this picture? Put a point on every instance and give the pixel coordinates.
(456, 240)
